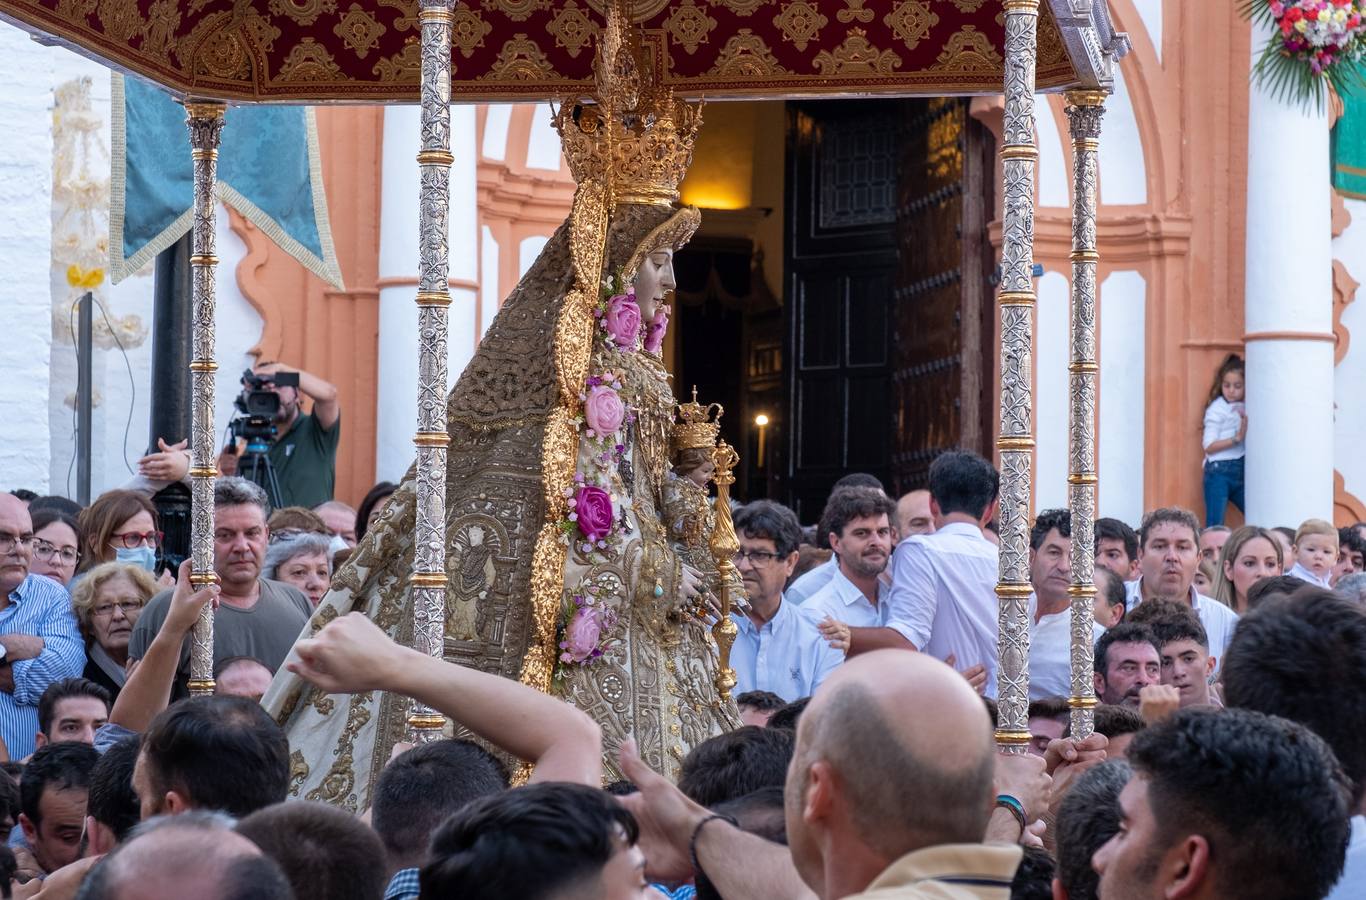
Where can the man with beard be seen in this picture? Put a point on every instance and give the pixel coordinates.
(257, 618)
(1128, 658)
(304, 453)
(1050, 631)
(857, 522)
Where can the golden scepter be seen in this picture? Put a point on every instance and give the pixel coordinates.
(724, 546)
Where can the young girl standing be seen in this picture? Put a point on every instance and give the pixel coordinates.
(1225, 426)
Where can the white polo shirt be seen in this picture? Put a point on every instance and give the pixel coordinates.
(943, 596)
(842, 601)
(1218, 619)
(787, 656)
(1050, 652)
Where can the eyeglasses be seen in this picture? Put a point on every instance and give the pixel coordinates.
(131, 540)
(45, 551)
(9, 540)
(757, 558)
(129, 608)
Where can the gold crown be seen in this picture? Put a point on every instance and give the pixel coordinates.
(634, 135)
(697, 428)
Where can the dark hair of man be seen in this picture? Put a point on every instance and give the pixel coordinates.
(786, 717)
(65, 689)
(1349, 539)
(1047, 521)
(1115, 530)
(858, 480)
(1087, 819)
(1049, 708)
(1265, 792)
(621, 788)
(1275, 586)
(421, 788)
(1170, 621)
(1034, 877)
(762, 701)
(9, 866)
(1111, 588)
(1286, 651)
(62, 766)
(113, 802)
(960, 481)
(1113, 721)
(220, 753)
(533, 843)
(25, 494)
(9, 799)
(761, 813)
(1165, 515)
(897, 799)
(1123, 633)
(766, 519)
(848, 504)
(326, 853)
(736, 763)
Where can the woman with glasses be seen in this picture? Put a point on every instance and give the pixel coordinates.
(56, 546)
(121, 526)
(107, 602)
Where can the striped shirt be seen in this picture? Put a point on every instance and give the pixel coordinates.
(39, 607)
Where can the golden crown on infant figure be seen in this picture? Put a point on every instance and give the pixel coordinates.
(696, 428)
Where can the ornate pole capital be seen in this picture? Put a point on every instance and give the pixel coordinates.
(204, 120)
(428, 582)
(1015, 439)
(1084, 113)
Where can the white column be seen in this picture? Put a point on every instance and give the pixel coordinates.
(1289, 313)
(398, 254)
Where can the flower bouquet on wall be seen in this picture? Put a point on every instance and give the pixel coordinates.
(1315, 45)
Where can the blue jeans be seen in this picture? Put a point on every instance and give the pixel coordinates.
(1223, 483)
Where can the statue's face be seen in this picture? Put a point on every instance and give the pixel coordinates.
(654, 280)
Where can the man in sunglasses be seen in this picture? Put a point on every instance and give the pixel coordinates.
(40, 641)
(777, 649)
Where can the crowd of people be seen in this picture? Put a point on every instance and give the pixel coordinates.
(1219, 766)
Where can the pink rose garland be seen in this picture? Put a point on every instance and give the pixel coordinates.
(603, 410)
(593, 511)
(582, 635)
(622, 320)
(659, 326)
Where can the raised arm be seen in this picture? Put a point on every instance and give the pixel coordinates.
(351, 654)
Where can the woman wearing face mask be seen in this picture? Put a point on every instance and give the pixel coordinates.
(107, 602)
(121, 526)
(56, 546)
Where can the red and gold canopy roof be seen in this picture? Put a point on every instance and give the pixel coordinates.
(367, 50)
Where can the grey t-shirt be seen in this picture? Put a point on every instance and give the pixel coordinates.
(266, 632)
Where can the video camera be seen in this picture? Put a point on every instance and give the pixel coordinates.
(258, 405)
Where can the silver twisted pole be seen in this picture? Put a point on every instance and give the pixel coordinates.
(433, 300)
(205, 123)
(1015, 442)
(1084, 112)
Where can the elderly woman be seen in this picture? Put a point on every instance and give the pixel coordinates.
(302, 560)
(107, 602)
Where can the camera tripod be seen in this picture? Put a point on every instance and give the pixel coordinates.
(255, 466)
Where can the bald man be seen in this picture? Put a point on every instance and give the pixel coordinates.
(878, 805)
(913, 514)
(192, 855)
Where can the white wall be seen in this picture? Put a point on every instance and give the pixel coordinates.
(1121, 431)
(1051, 396)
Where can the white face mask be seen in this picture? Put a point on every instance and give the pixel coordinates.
(142, 557)
(336, 545)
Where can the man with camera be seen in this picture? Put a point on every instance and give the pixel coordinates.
(302, 447)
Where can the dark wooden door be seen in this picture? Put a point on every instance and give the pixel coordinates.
(841, 269)
(941, 364)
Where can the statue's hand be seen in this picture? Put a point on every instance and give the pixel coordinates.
(690, 584)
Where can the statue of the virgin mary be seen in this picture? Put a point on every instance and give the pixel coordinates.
(560, 571)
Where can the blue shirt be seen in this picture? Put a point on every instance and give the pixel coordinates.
(798, 591)
(787, 655)
(39, 607)
(403, 886)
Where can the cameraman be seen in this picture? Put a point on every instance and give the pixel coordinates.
(304, 451)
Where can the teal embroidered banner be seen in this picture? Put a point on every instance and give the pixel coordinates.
(1349, 148)
(268, 170)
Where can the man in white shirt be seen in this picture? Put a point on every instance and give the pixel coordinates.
(804, 587)
(1168, 555)
(943, 596)
(913, 515)
(858, 523)
(1050, 608)
(777, 648)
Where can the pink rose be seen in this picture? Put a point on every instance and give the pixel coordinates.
(659, 326)
(622, 319)
(581, 635)
(593, 507)
(604, 410)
